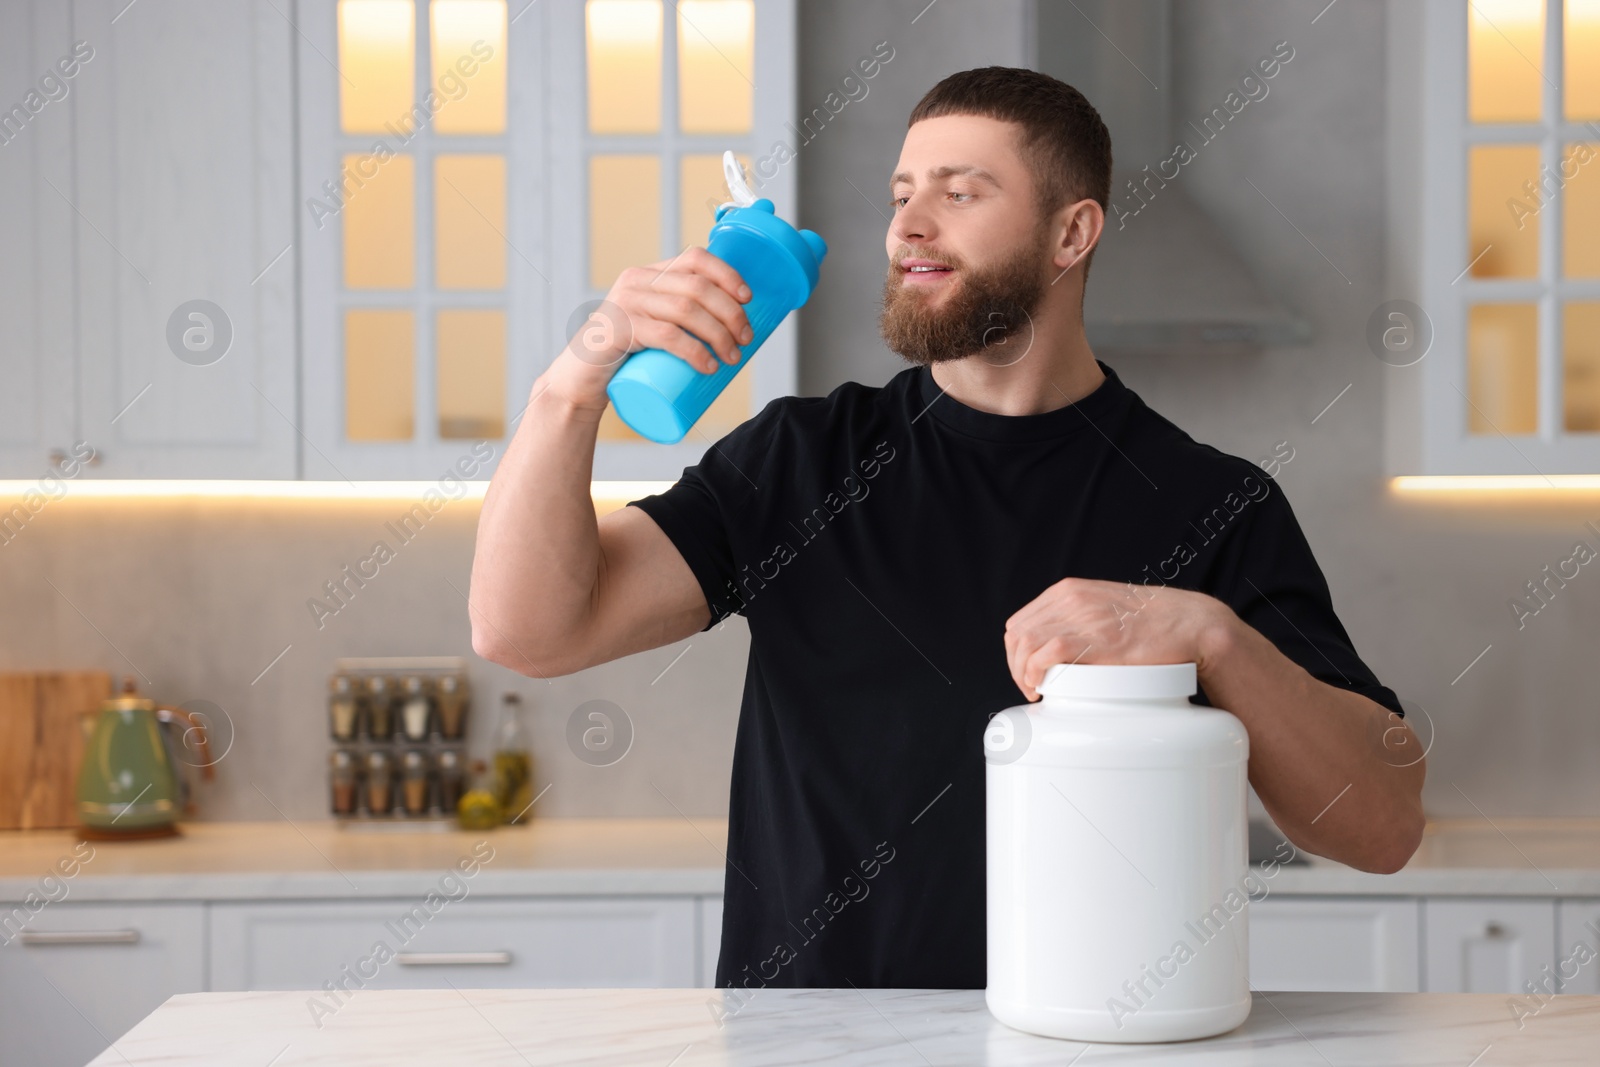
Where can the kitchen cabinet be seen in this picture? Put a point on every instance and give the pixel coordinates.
(1345, 944)
(36, 256)
(594, 942)
(448, 257)
(80, 975)
(1486, 945)
(1578, 946)
(184, 300)
(183, 199)
(710, 940)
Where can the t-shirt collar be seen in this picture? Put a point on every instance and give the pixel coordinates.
(1083, 415)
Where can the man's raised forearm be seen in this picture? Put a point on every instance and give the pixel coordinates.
(538, 548)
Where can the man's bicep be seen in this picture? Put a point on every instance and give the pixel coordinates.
(1271, 579)
(646, 595)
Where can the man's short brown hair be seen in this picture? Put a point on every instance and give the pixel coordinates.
(1064, 142)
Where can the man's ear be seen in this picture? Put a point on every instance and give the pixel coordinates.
(1078, 229)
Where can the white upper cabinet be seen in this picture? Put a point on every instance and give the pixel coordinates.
(473, 176)
(36, 305)
(422, 205)
(655, 92)
(339, 239)
(1494, 130)
(182, 200)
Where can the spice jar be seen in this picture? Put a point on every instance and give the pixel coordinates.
(380, 708)
(452, 700)
(343, 722)
(380, 783)
(416, 709)
(343, 778)
(414, 781)
(449, 767)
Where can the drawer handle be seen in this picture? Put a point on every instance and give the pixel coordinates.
(79, 937)
(452, 959)
(1493, 930)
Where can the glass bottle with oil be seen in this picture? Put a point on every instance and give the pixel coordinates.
(478, 809)
(513, 761)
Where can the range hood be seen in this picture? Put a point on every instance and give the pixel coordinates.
(1167, 279)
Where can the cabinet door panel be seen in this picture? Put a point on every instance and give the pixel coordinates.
(377, 409)
(638, 942)
(79, 976)
(1349, 945)
(1578, 924)
(185, 195)
(1480, 945)
(36, 261)
(710, 940)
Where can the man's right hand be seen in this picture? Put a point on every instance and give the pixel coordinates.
(673, 305)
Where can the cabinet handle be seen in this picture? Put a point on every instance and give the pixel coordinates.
(58, 456)
(452, 959)
(79, 937)
(1493, 930)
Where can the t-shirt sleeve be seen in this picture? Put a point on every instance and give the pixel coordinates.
(1267, 574)
(699, 511)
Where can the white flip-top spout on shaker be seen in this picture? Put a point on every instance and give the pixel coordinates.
(1117, 859)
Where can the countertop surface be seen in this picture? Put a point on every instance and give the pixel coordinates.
(695, 1028)
(321, 860)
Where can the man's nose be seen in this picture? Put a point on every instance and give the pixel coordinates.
(912, 222)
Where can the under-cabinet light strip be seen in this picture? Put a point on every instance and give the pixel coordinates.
(1496, 483)
(178, 488)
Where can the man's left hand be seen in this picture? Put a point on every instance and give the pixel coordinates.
(1082, 620)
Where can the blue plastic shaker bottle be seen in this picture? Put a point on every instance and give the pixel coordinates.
(659, 395)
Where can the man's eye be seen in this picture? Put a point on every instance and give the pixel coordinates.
(962, 197)
(899, 201)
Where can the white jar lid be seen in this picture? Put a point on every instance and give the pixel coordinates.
(1109, 681)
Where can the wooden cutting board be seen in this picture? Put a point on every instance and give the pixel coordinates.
(41, 743)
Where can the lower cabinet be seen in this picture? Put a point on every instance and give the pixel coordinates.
(1344, 944)
(710, 939)
(1486, 945)
(401, 944)
(1578, 946)
(78, 976)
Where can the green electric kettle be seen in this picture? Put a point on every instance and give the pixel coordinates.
(129, 784)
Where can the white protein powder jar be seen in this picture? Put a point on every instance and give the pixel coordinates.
(1117, 859)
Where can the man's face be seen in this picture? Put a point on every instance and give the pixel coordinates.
(969, 254)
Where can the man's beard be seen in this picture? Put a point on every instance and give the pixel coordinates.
(990, 311)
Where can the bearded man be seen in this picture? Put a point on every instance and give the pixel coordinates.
(912, 558)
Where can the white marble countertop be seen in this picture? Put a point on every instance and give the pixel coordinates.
(838, 1027)
(587, 857)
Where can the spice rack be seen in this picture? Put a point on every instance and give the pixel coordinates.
(398, 726)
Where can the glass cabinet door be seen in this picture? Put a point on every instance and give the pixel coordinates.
(475, 174)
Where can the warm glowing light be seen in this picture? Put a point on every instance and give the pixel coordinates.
(469, 65)
(624, 57)
(1580, 31)
(1505, 60)
(377, 40)
(716, 63)
(1497, 483)
(223, 489)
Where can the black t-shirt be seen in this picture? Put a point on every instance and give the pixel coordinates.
(876, 540)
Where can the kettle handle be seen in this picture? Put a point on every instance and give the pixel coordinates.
(167, 714)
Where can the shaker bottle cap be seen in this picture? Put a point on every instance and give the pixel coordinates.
(1107, 681)
(733, 174)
